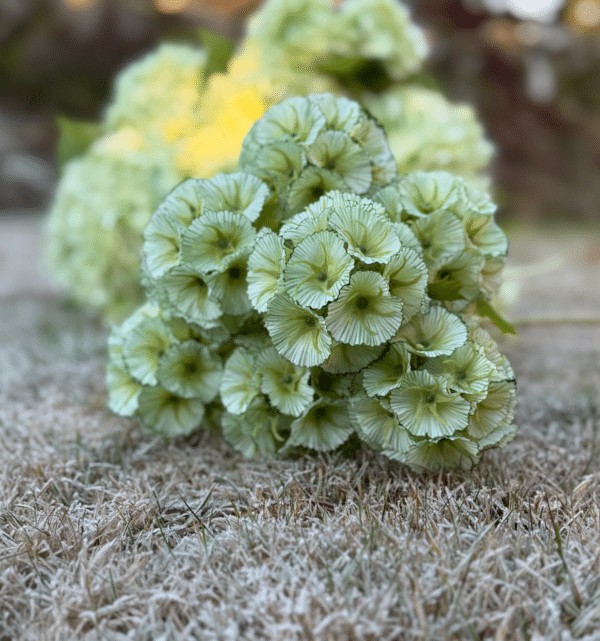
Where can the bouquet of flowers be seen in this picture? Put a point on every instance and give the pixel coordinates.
(316, 298)
(170, 119)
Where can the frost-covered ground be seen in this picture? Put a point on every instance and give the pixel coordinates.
(107, 533)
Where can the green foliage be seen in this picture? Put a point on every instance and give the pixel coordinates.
(219, 50)
(74, 138)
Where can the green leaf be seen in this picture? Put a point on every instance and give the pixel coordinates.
(445, 289)
(219, 50)
(485, 309)
(74, 137)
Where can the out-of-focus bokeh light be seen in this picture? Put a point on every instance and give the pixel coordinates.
(80, 4)
(584, 15)
(172, 6)
(542, 10)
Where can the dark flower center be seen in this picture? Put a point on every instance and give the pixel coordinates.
(321, 277)
(311, 321)
(288, 379)
(190, 368)
(223, 243)
(234, 272)
(430, 398)
(320, 412)
(362, 302)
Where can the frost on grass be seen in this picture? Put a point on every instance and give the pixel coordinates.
(106, 533)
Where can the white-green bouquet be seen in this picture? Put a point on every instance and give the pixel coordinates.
(315, 299)
(174, 115)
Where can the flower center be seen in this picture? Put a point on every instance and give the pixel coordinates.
(288, 379)
(321, 277)
(310, 321)
(321, 412)
(190, 368)
(362, 302)
(223, 243)
(234, 272)
(430, 398)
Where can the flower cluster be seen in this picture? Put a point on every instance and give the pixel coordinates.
(350, 39)
(427, 132)
(305, 147)
(172, 120)
(343, 316)
(161, 126)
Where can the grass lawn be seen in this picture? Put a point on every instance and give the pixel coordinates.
(109, 533)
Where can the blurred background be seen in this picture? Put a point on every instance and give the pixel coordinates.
(531, 68)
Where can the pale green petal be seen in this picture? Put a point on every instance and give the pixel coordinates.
(371, 137)
(162, 235)
(467, 370)
(388, 372)
(317, 269)
(445, 454)
(241, 381)
(279, 162)
(498, 437)
(189, 371)
(265, 265)
(230, 286)
(313, 219)
(433, 333)
(424, 192)
(310, 185)
(350, 358)
(144, 346)
(214, 241)
(168, 414)
(378, 427)
(260, 431)
(296, 119)
(496, 409)
(240, 193)
(407, 237)
(407, 275)
(425, 408)
(485, 235)
(298, 334)
(284, 383)
(441, 235)
(162, 239)
(364, 312)
(341, 113)
(491, 276)
(370, 236)
(123, 390)
(337, 152)
(458, 281)
(190, 297)
(323, 427)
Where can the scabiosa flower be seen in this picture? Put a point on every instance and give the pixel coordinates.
(322, 427)
(378, 426)
(168, 414)
(285, 384)
(364, 313)
(317, 269)
(435, 332)
(297, 333)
